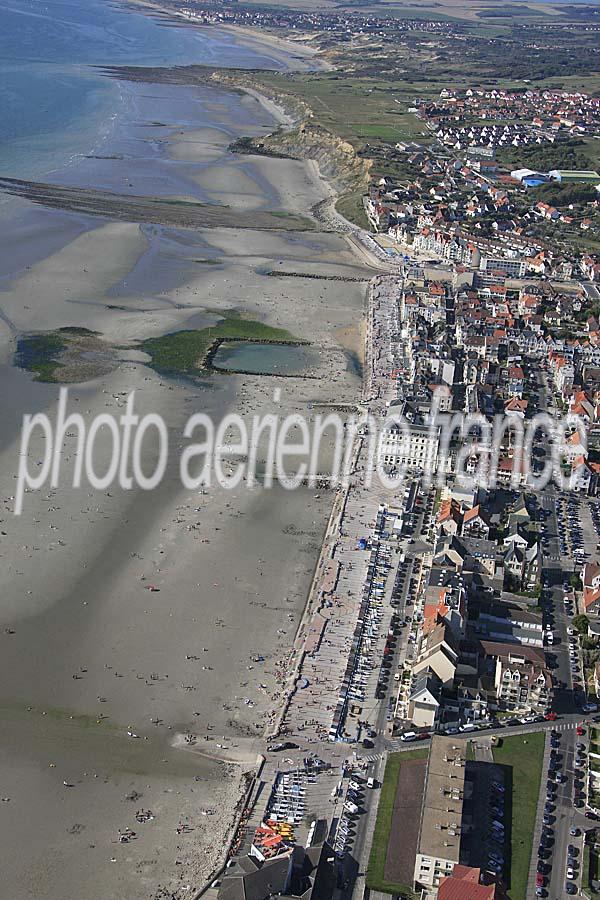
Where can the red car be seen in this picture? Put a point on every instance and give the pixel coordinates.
(539, 880)
(551, 717)
(580, 730)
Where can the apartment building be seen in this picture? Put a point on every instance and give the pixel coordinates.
(439, 844)
(438, 652)
(412, 448)
(513, 268)
(522, 680)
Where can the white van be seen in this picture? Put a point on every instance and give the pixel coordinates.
(409, 736)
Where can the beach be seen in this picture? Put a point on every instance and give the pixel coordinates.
(98, 673)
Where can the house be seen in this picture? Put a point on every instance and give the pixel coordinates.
(424, 699)
(591, 587)
(545, 211)
(442, 395)
(433, 615)
(470, 700)
(476, 523)
(449, 516)
(519, 512)
(563, 374)
(575, 445)
(533, 567)
(591, 600)
(514, 562)
(450, 553)
(522, 684)
(515, 380)
(438, 652)
(516, 407)
(512, 469)
(591, 575)
(582, 406)
(516, 536)
(524, 564)
(481, 556)
(590, 267)
(508, 623)
(299, 872)
(444, 601)
(467, 883)
(581, 475)
(466, 554)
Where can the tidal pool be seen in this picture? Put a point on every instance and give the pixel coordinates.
(265, 359)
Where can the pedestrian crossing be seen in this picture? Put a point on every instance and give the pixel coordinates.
(372, 757)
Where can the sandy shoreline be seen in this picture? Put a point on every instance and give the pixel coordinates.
(299, 52)
(87, 644)
(292, 53)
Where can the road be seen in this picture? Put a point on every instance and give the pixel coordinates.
(557, 569)
(377, 711)
(564, 817)
(556, 575)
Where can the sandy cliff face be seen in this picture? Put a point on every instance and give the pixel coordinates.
(337, 159)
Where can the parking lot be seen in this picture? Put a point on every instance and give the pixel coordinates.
(578, 526)
(487, 844)
(559, 833)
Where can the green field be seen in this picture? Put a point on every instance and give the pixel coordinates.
(379, 132)
(381, 834)
(351, 207)
(356, 109)
(523, 755)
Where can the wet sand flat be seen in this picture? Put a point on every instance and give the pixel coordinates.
(82, 638)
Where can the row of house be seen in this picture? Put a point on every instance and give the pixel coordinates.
(480, 647)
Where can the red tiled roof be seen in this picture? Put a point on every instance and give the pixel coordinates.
(464, 884)
(590, 597)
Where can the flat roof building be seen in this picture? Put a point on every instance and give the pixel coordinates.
(574, 175)
(438, 848)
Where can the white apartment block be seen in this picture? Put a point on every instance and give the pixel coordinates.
(514, 268)
(414, 447)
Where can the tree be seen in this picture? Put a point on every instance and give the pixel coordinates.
(575, 582)
(580, 623)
